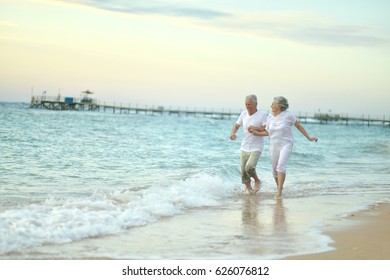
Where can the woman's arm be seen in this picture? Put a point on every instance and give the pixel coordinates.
(258, 131)
(257, 128)
(303, 131)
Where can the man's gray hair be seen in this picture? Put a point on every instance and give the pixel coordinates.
(252, 97)
(282, 102)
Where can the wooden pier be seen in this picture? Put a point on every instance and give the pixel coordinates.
(54, 103)
(324, 118)
(77, 104)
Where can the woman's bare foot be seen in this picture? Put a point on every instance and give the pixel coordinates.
(278, 194)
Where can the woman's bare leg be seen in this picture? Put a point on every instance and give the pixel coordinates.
(280, 182)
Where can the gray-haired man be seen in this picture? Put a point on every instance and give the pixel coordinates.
(251, 145)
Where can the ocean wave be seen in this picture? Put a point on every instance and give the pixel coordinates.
(62, 220)
(377, 148)
(14, 105)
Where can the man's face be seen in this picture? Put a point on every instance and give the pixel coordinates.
(250, 106)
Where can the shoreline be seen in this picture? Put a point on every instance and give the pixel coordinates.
(251, 227)
(366, 237)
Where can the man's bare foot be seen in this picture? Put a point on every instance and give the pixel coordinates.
(257, 186)
(249, 187)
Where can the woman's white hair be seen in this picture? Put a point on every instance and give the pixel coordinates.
(282, 102)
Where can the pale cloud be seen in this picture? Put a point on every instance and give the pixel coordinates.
(164, 8)
(7, 28)
(4, 23)
(12, 39)
(297, 27)
(304, 28)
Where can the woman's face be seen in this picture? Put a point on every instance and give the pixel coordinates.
(275, 107)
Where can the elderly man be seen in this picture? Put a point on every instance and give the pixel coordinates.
(251, 145)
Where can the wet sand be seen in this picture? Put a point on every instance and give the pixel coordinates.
(366, 237)
(250, 228)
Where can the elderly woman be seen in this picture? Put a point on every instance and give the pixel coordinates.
(279, 128)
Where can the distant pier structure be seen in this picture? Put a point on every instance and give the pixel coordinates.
(86, 103)
(324, 118)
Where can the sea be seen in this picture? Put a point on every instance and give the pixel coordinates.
(104, 185)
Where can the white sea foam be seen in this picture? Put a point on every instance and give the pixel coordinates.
(59, 220)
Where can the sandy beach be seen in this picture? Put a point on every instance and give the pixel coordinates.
(366, 236)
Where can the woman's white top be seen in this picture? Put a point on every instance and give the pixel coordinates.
(280, 127)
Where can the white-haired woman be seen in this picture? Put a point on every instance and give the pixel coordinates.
(279, 128)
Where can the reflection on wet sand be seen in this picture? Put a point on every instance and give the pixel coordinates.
(264, 224)
(279, 217)
(250, 215)
(255, 215)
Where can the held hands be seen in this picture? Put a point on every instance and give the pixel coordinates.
(258, 131)
(251, 129)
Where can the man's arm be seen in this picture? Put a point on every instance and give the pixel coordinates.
(234, 131)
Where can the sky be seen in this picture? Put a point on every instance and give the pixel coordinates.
(323, 56)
